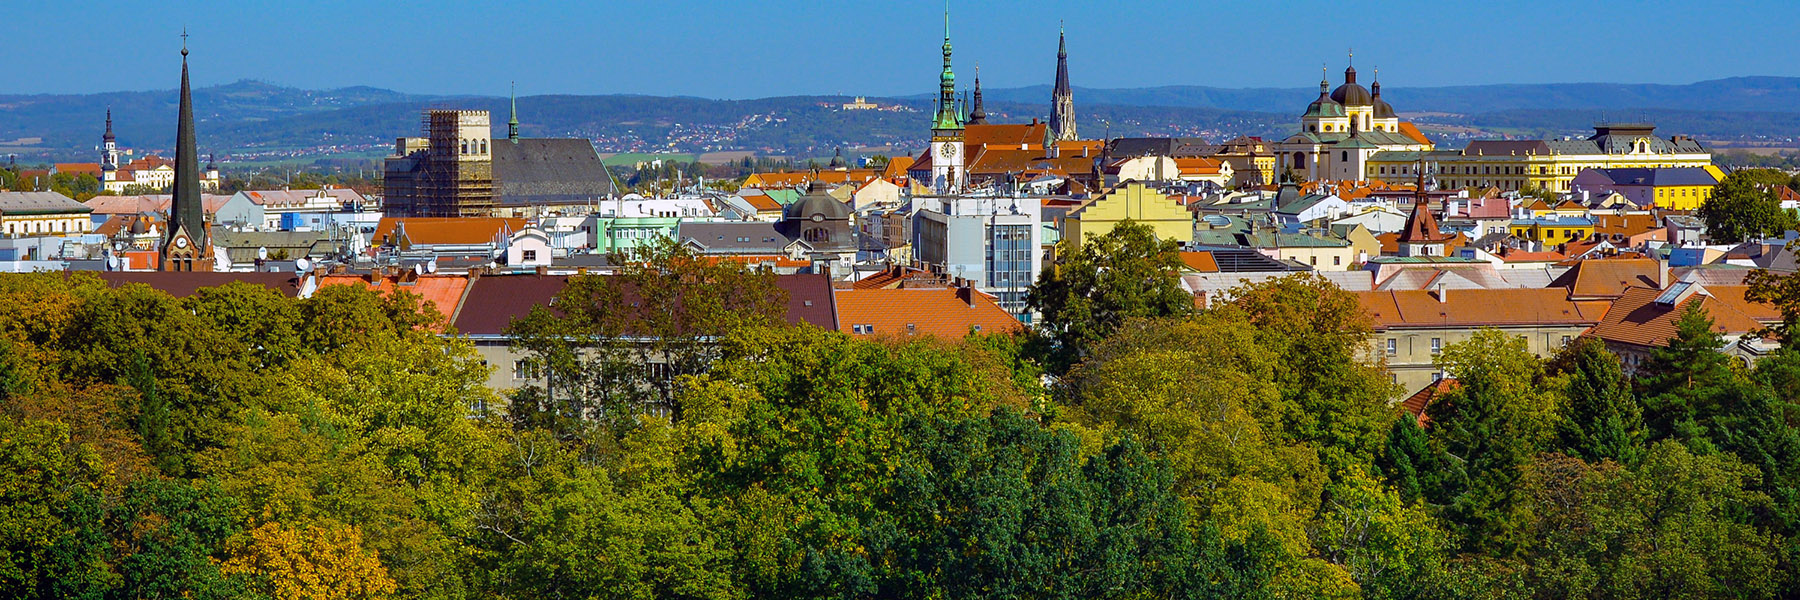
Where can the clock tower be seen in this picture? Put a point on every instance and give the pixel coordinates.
(947, 172)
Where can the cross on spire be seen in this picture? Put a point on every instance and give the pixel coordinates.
(184, 37)
(1351, 53)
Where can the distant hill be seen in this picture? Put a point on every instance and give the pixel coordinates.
(256, 120)
(1755, 94)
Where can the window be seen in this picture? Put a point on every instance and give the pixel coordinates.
(1337, 260)
(1393, 347)
(1345, 156)
(1437, 376)
(523, 369)
(529, 255)
(1437, 345)
(862, 329)
(1565, 340)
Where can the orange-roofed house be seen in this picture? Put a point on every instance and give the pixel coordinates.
(1204, 169)
(1413, 326)
(1608, 278)
(1643, 319)
(446, 233)
(945, 312)
(444, 292)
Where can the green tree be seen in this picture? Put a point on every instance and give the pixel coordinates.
(1740, 209)
(1686, 382)
(1601, 418)
(1100, 282)
(616, 345)
(1490, 424)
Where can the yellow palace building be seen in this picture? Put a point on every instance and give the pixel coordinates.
(1542, 164)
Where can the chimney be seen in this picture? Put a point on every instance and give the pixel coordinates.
(543, 270)
(1443, 293)
(1662, 274)
(966, 294)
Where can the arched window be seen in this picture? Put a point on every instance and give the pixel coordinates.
(1345, 156)
(465, 147)
(1299, 160)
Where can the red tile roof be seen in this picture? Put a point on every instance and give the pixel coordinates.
(1416, 404)
(1637, 319)
(444, 292)
(1500, 307)
(949, 313)
(1200, 262)
(492, 302)
(184, 284)
(447, 230)
(1013, 135)
(1607, 278)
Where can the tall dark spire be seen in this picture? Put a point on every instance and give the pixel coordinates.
(109, 134)
(1062, 97)
(977, 115)
(512, 125)
(185, 210)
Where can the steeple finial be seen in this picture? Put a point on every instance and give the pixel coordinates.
(184, 36)
(1351, 54)
(512, 124)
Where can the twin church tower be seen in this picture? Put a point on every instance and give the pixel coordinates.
(948, 169)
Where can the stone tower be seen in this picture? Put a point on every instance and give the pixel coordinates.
(1062, 98)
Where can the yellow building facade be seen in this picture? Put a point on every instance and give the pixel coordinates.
(1098, 216)
(1554, 230)
(1541, 164)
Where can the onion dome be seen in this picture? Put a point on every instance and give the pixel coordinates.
(1324, 106)
(1351, 93)
(1383, 110)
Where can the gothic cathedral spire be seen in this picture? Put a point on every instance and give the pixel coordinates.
(185, 209)
(1062, 98)
(512, 124)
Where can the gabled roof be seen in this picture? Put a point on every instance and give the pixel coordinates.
(183, 284)
(946, 312)
(753, 237)
(1199, 262)
(1017, 135)
(536, 171)
(1504, 307)
(149, 203)
(1421, 227)
(1607, 278)
(444, 292)
(40, 203)
(1638, 318)
(1417, 403)
(452, 231)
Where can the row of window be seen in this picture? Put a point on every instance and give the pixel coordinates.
(39, 227)
(1437, 345)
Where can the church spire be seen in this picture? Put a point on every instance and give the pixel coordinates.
(948, 117)
(1062, 96)
(512, 124)
(109, 134)
(977, 115)
(185, 210)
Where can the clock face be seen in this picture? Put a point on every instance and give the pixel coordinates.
(181, 242)
(947, 149)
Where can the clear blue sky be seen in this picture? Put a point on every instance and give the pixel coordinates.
(786, 47)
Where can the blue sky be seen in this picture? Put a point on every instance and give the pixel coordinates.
(786, 47)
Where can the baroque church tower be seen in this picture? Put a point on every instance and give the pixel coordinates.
(189, 243)
(947, 170)
(1062, 98)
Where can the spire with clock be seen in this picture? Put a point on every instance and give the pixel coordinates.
(189, 245)
(947, 128)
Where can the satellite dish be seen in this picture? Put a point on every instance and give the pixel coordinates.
(430, 267)
(262, 253)
(302, 265)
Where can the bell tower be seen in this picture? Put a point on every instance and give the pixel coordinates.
(947, 170)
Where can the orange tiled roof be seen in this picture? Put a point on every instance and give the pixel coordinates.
(1200, 262)
(762, 202)
(1608, 277)
(949, 313)
(1522, 256)
(1407, 129)
(1197, 166)
(758, 259)
(1623, 225)
(1637, 319)
(1014, 135)
(1416, 404)
(446, 230)
(1497, 307)
(79, 169)
(896, 167)
(444, 292)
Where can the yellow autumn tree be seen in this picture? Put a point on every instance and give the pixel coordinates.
(314, 562)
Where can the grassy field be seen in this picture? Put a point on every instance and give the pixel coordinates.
(632, 158)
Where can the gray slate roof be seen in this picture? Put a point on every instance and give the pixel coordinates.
(749, 237)
(536, 171)
(39, 203)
